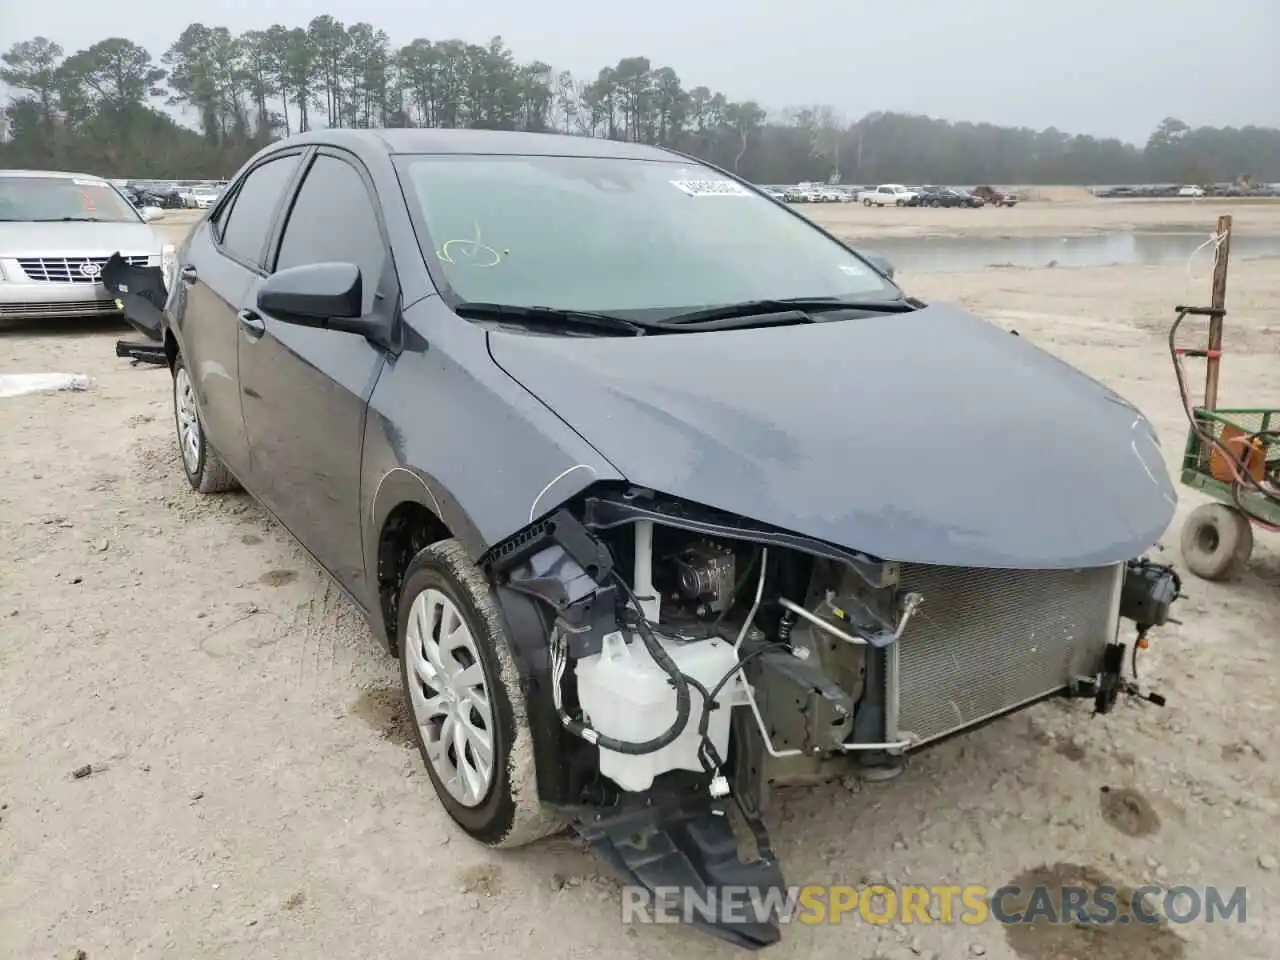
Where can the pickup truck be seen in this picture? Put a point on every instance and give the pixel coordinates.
(887, 194)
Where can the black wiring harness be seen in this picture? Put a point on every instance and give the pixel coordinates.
(668, 666)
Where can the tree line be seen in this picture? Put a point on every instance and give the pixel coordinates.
(101, 110)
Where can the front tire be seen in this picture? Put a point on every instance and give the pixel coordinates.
(200, 462)
(463, 693)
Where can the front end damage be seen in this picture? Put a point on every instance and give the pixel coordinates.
(679, 663)
(140, 294)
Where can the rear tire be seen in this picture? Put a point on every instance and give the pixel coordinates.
(463, 692)
(1217, 541)
(203, 467)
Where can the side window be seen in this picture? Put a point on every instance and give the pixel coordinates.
(244, 227)
(218, 221)
(333, 220)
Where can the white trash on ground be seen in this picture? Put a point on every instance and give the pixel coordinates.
(16, 384)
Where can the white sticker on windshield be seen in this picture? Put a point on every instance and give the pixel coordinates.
(851, 270)
(711, 188)
(88, 183)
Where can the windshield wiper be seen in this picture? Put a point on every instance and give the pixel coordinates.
(71, 220)
(791, 310)
(554, 317)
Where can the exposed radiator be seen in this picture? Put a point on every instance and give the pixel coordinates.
(986, 641)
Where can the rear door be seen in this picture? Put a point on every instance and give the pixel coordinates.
(223, 259)
(305, 390)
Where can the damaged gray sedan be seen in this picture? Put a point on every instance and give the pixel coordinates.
(663, 496)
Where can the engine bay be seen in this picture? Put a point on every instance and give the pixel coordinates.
(677, 661)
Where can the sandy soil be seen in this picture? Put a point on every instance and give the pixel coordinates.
(246, 787)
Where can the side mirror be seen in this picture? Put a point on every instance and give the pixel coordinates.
(880, 263)
(328, 295)
(150, 214)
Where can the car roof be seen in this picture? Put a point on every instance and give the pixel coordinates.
(50, 175)
(493, 142)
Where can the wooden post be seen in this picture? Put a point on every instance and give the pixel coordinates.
(1218, 301)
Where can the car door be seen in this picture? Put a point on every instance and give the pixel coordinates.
(305, 390)
(224, 257)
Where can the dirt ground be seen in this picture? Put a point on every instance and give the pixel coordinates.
(203, 751)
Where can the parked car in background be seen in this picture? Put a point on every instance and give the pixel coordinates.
(997, 198)
(201, 198)
(931, 196)
(1156, 191)
(969, 199)
(887, 195)
(57, 230)
(162, 195)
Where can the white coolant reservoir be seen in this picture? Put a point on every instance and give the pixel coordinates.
(626, 695)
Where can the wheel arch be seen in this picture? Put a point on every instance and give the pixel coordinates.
(409, 512)
(409, 515)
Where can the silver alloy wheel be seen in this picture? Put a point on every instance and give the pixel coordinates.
(450, 698)
(190, 436)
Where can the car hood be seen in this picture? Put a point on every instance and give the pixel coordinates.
(928, 437)
(76, 239)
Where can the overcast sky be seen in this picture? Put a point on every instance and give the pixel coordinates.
(1106, 67)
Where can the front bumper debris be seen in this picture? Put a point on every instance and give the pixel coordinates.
(677, 859)
(141, 294)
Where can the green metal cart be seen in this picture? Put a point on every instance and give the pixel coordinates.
(1232, 455)
(1217, 537)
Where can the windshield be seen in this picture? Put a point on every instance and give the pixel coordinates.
(615, 236)
(62, 198)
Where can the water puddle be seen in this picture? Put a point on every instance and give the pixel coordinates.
(954, 254)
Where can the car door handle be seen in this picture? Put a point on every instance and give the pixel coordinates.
(252, 324)
(189, 274)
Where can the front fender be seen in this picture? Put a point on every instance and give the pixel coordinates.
(449, 429)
